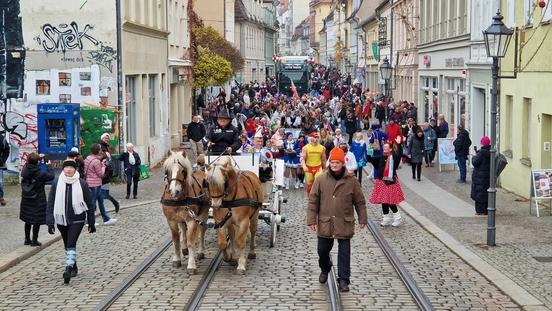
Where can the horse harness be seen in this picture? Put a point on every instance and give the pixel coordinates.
(229, 204)
(185, 202)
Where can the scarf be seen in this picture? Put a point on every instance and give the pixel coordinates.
(131, 159)
(338, 175)
(79, 206)
(388, 171)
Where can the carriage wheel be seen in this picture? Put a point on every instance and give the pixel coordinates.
(273, 229)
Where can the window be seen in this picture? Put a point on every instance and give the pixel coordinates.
(547, 12)
(528, 9)
(152, 117)
(435, 25)
(86, 91)
(511, 22)
(434, 83)
(453, 17)
(527, 125)
(64, 98)
(64, 79)
(509, 116)
(85, 76)
(444, 21)
(42, 87)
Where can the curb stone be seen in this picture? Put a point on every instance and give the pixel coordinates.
(518, 294)
(25, 252)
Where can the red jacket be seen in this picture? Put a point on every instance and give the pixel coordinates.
(326, 94)
(393, 131)
(250, 125)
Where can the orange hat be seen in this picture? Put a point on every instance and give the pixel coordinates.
(337, 154)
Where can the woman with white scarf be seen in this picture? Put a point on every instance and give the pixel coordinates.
(69, 206)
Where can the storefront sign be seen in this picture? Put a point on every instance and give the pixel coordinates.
(454, 62)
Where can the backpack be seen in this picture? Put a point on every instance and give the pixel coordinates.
(108, 174)
(500, 163)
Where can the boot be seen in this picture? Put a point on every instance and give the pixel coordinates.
(387, 220)
(117, 206)
(27, 241)
(343, 286)
(296, 183)
(74, 270)
(397, 219)
(35, 243)
(286, 183)
(67, 275)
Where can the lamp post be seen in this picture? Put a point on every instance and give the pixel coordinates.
(386, 71)
(497, 37)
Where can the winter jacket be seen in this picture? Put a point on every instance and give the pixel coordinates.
(443, 130)
(430, 139)
(331, 204)
(33, 196)
(393, 131)
(130, 169)
(196, 131)
(359, 150)
(224, 138)
(4, 151)
(480, 175)
(462, 144)
(69, 212)
(416, 148)
(93, 168)
(329, 145)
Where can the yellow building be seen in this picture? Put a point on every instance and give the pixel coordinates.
(319, 9)
(525, 107)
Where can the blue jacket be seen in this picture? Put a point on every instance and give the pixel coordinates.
(359, 150)
(430, 138)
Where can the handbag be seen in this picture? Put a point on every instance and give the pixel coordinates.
(376, 144)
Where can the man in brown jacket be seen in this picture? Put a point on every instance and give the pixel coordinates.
(331, 214)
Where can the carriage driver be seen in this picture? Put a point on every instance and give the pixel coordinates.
(223, 136)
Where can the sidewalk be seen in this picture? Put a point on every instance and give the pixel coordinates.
(11, 227)
(524, 248)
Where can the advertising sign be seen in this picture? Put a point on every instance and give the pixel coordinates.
(446, 151)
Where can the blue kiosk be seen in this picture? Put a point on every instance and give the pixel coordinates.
(58, 129)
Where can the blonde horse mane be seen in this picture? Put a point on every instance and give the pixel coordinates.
(215, 176)
(180, 158)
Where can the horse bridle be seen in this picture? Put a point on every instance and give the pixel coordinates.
(180, 180)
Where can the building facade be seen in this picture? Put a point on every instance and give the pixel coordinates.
(180, 69)
(525, 109)
(319, 9)
(405, 51)
(269, 20)
(145, 54)
(219, 14)
(250, 40)
(443, 50)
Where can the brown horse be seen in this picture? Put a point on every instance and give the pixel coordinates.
(236, 198)
(186, 207)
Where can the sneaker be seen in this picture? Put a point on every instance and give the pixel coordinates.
(323, 278)
(296, 185)
(95, 224)
(27, 242)
(460, 181)
(127, 197)
(287, 187)
(35, 243)
(112, 221)
(343, 286)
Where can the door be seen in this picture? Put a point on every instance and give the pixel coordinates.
(546, 152)
(479, 115)
(131, 109)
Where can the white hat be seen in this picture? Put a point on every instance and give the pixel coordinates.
(258, 133)
(74, 149)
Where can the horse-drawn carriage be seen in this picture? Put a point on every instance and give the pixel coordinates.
(231, 187)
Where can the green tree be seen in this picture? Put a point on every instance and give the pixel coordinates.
(211, 69)
(208, 37)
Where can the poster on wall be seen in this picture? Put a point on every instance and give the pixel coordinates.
(542, 183)
(446, 151)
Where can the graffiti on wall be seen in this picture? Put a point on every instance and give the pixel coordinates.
(106, 56)
(65, 37)
(22, 130)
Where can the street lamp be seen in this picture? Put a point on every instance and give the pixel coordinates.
(386, 71)
(497, 37)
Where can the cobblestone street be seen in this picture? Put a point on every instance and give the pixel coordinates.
(282, 278)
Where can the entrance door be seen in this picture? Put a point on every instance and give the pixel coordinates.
(479, 115)
(131, 109)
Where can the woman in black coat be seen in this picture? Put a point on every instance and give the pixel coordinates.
(480, 176)
(33, 197)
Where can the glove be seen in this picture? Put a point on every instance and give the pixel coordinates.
(51, 229)
(91, 228)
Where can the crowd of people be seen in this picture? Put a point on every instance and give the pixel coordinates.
(328, 136)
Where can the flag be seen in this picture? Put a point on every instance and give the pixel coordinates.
(294, 91)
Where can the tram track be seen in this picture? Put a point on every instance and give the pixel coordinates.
(334, 300)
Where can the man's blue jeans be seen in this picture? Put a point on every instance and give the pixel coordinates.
(97, 196)
(462, 167)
